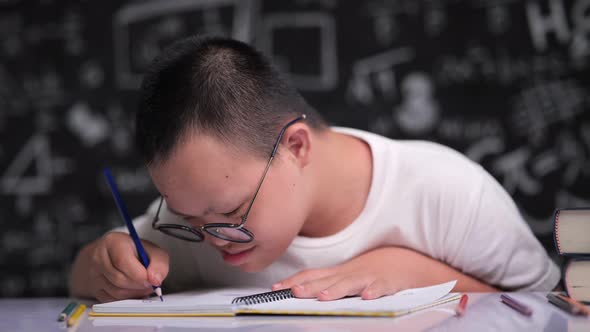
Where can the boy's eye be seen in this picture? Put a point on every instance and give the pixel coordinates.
(233, 213)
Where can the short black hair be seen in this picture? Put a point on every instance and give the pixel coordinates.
(216, 86)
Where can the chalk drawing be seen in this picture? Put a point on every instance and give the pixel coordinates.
(90, 127)
(376, 74)
(418, 112)
(324, 54)
(128, 77)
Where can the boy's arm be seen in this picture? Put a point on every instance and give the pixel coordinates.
(79, 272)
(493, 242)
(379, 272)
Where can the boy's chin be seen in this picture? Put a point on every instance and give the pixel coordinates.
(252, 267)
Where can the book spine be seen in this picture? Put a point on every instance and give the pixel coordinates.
(556, 231)
(556, 240)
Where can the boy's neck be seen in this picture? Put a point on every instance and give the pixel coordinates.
(342, 173)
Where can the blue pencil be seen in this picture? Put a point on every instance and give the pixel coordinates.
(145, 260)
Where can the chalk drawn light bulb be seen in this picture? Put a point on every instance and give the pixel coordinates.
(418, 112)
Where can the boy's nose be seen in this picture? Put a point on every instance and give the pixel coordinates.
(215, 241)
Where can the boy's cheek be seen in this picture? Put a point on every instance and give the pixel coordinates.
(275, 224)
(271, 244)
(260, 259)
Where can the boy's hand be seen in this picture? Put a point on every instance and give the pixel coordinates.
(379, 272)
(109, 269)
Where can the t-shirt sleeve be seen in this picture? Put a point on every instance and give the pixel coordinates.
(487, 238)
(184, 272)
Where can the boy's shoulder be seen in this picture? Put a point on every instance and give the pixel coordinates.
(427, 151)
(425, 164)
(438, 166)
(414, 155)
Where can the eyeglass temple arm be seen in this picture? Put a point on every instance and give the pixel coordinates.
(257, 189)
(277, 143)
(156, 217)
(272, 156)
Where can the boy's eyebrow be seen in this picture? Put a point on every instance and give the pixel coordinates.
(180, 214)
(236, 210)
(184, 215)
(177, 213)
(207, 211)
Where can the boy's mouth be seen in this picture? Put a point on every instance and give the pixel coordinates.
(236, 257)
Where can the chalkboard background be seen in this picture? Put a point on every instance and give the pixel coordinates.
(506, 82)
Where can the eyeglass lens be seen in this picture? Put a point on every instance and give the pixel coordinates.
(182, 233)
(229, 233)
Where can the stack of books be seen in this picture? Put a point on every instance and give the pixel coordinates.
(572, 240)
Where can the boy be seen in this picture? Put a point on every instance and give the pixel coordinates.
(284, 201)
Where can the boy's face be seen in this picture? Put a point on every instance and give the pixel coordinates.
(204, 181)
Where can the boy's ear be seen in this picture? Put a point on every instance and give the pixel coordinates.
(298, 139)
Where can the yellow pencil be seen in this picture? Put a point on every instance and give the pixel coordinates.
(74, 317)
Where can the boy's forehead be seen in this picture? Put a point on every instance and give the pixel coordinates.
(203, 168)
(205, 161)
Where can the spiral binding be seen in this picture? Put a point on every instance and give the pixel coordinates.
(264, 297)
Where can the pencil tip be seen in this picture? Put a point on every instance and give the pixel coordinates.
(161, 299)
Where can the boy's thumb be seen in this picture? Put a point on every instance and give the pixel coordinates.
(159, 264)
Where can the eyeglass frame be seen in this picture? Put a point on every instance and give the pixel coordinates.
(200, 231)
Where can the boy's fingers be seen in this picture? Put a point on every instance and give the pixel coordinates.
(118, 293)
(377, 289)
(311, 289)
(347, 286)
(124, 270)
(302, 277)
(159, 264)
(103, 296)
(122, 294)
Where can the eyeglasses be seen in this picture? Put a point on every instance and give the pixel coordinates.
(225, 231)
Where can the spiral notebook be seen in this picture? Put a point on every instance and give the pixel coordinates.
(231, 302)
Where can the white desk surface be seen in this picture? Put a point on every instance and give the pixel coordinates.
(485, 312)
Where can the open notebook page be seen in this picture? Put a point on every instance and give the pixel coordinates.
(214, 301)
(219, 301)
(401, 301)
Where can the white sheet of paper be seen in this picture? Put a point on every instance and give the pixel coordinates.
(404, 300)
(216, 301)
(219, 301)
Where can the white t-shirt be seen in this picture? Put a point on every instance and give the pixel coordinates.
(423, 196)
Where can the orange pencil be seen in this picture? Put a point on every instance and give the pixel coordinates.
(462, 306)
